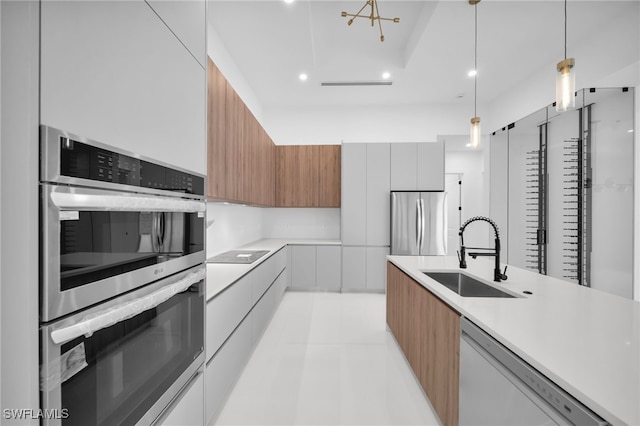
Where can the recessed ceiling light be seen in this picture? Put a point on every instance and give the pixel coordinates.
(386, 75)
(472, 73)
(288, 1)
(630, 131)
(303, 77)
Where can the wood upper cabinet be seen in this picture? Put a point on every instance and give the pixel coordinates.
(308, 176)
(245, 166)
(240, 155)
(428, 332)
(216, 133)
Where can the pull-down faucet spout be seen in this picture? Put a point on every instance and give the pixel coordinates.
(497, 274)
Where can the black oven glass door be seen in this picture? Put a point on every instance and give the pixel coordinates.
(120, 372)
(98, 244)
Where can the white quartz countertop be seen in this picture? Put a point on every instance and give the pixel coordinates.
(222, 275)
(584, 340)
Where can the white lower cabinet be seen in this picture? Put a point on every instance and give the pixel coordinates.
(226, 311)
(188, 410)
(302, 266)
(364, 268)
(236, 318)
(328, 268)
(225, 367)
(354, 267)
(315, 267)
(376, 273)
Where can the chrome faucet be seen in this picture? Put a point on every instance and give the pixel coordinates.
(497, 275)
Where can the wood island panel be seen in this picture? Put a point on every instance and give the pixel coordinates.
(428, 332)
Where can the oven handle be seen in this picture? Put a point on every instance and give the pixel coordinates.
(108, 317)
(137, 203)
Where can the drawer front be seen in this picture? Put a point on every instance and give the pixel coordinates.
(261, 314)
(225, 311)
(266, 273)
(224, 369)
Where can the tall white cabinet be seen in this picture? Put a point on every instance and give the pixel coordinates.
(365, 215)
(131, 74)
(370, 171)
(417, 166)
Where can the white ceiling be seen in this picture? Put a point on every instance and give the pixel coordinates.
(428, 53)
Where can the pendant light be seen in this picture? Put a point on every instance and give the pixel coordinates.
(474, 141)
(565, 77)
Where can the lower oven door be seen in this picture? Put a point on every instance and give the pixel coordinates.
(124, 361)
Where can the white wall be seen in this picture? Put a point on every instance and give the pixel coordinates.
(333, 125)
(610, 58)
(19, 217)
(310, 223)
(471, 165)
(219, 54)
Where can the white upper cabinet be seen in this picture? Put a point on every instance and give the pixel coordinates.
(354, 194)
(430, 173)
(187, 20)
(417, 166)
(404, 167)
(378, 197)
(114, 72)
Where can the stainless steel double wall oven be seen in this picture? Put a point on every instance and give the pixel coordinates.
(122, 282)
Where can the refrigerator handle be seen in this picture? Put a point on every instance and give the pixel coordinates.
(418, 224)
(423, 223)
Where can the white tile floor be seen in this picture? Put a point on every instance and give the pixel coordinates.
(327, 359)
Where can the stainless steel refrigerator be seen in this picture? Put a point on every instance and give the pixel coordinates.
(419, 223)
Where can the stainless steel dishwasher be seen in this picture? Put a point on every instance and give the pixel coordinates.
(499, 388)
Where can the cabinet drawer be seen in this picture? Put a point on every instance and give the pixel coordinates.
(225, 367)
(261, 314)
(266, 273)
(225, 312)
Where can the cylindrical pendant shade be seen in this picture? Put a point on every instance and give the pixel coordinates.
(565, 85)
(474, 140)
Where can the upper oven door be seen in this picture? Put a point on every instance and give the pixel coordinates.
(98, 244)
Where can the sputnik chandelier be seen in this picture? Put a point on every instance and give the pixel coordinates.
(373, 16)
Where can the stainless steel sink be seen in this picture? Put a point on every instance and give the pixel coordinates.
(465, 285)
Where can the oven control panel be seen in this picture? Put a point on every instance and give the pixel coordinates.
(85, 160)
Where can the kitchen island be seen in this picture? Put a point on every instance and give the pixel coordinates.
(584, 340)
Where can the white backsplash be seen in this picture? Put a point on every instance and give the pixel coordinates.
(231, 225)
(312, 223)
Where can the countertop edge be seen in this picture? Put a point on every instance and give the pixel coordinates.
(230, 273)
(454, 302)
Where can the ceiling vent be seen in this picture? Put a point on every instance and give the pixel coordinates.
(356, 83)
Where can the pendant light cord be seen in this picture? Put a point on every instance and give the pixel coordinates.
(565, 29)
(475, 62)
